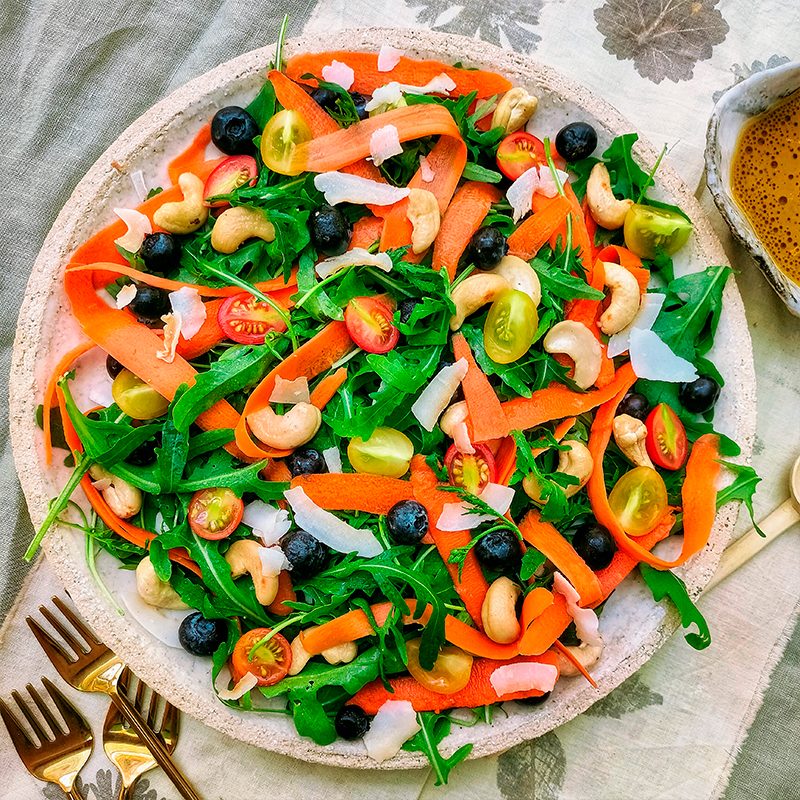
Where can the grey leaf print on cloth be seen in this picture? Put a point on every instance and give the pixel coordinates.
(742, 72)
(507, 23)
(532, 770)
(665, 38)
(629, 696)
(105, 788)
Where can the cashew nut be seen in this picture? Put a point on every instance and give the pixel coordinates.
(234, 226)
(423, 213)
(153, 590)
(625, 299)
(122, 498)
(532, 486)
(629, 434)
(578, 342)
(514, 110)
(499, 611)
(520, 276)
(188, 214)
(606, 210)
(296, 427)
(453, 415)
(578, 462)
(473, 293)
(242, 557)
(340, 654)
(587, 654)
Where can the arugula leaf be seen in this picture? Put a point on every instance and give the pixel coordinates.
(743, 488)
(208, 441)
(263, 106)
(474, 172)
(222, 469)
(434, 729)
(561, 284)
(663, 583)
(171, 456)
(531, 561)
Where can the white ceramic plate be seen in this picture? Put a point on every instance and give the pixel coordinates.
(633, 626)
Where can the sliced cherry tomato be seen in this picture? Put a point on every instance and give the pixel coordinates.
(387, 452)
(269, 663)
(451, 670)
(281, 135)
(369, 323)
(647, 227)
(510, 326)
(666, 440)
(247, 320)
(232, 173)
(639, 500)
(472, 471)
(518, 153)
(215, 513)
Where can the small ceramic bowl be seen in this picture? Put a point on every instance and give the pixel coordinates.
(732, 112)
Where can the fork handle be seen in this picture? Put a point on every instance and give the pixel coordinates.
(73, 793)
(154, 744)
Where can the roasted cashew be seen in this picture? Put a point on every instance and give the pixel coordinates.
(153, 590)
(473, 293)
(188, 214)
(514, 110)
(453, 415)
(629, 434)
(242, 557)
(297, 426)
(520, 276)
(578, 342)
(532, 487)
(122, 498)
(578, 462)
(499, 611)
(606, 210)
(423, 213)
(625, 298)
(587, 654)
(340, 654)
(238, 224)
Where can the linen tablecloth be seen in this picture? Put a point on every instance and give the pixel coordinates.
(722, 723)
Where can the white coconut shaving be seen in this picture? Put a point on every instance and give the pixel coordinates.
(139, 186)
(393, 725)
(172, 332)
(383, 144)
(586, 622)
(290, 392)
(547, 184)
(391, 94)
(520, 193)
(525, 676)
(333, 459)
(247, 682)
(125, 295)
(186, 304)
(341, 187)
(644, 320)
(339, 73)
(389, 57)
(435, 397)
(273, 561)
(138, 227)
(426, 170)
(357, 257)
(459, 517)
(652, 359)
(267, 522)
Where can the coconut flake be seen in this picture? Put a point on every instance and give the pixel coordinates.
(357, 257)
(461, 438)
(384, 143)
(290, 392)
(392, 93)
(441, 84)
(333, 459)
(393, 725)
(338, 72)
(520, 193)
(389, 95)
(525, 676)
(425, 170)
(653, 360)
(139, 186)
(329, 529)
(586, 622)
(497, 496)
(138, 226)
(644, 320)
(460, 516)
(100, 392)
(125, 295)
(341, 187)
(247, 682)
(268, 522)
(172, 331)
(273, 561)
(389, 57)
(433, 400)
(186, 304)
(547, 184)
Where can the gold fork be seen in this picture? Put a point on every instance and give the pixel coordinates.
(99, 670)
(58, 759)
(124, 747)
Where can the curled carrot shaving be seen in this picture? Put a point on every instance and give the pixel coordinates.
(366, 231)
(354, 491)
(543, 631)
(526, 241)
(285, 593)
(325, 390)
(567, 653)
(193, 159)
(536, 602)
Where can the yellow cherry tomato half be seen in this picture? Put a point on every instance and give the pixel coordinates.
(648, 227)
(451, 670)
(639, 500)
(510, 326)
(387, 452)
(136, 398)
(281, 135)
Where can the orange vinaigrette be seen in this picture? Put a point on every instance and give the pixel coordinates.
(765, 179)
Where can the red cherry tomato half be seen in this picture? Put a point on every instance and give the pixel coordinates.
(666, 440)
(518, 153)
(215, 513)
(369, 323)
(269, 663)
(232, 173)
(247, 320)
(472, 471)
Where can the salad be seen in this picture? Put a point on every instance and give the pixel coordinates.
(401, 393)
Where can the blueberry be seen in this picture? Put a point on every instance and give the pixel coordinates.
(306, 554)
(700, 395)
(499, 550)
(233, 130)
(305, 461)
(487, 247)
(360, 102)
(330, 230)
(407, 522)
(406, 308)
(634, 405)
(351, 722)
(595, 545)
(200, 636)
(160, 252)
(325, 98)
(150, 303)
(576, 141)
(113, 367)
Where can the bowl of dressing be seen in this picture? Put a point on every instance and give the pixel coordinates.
(753, 172)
